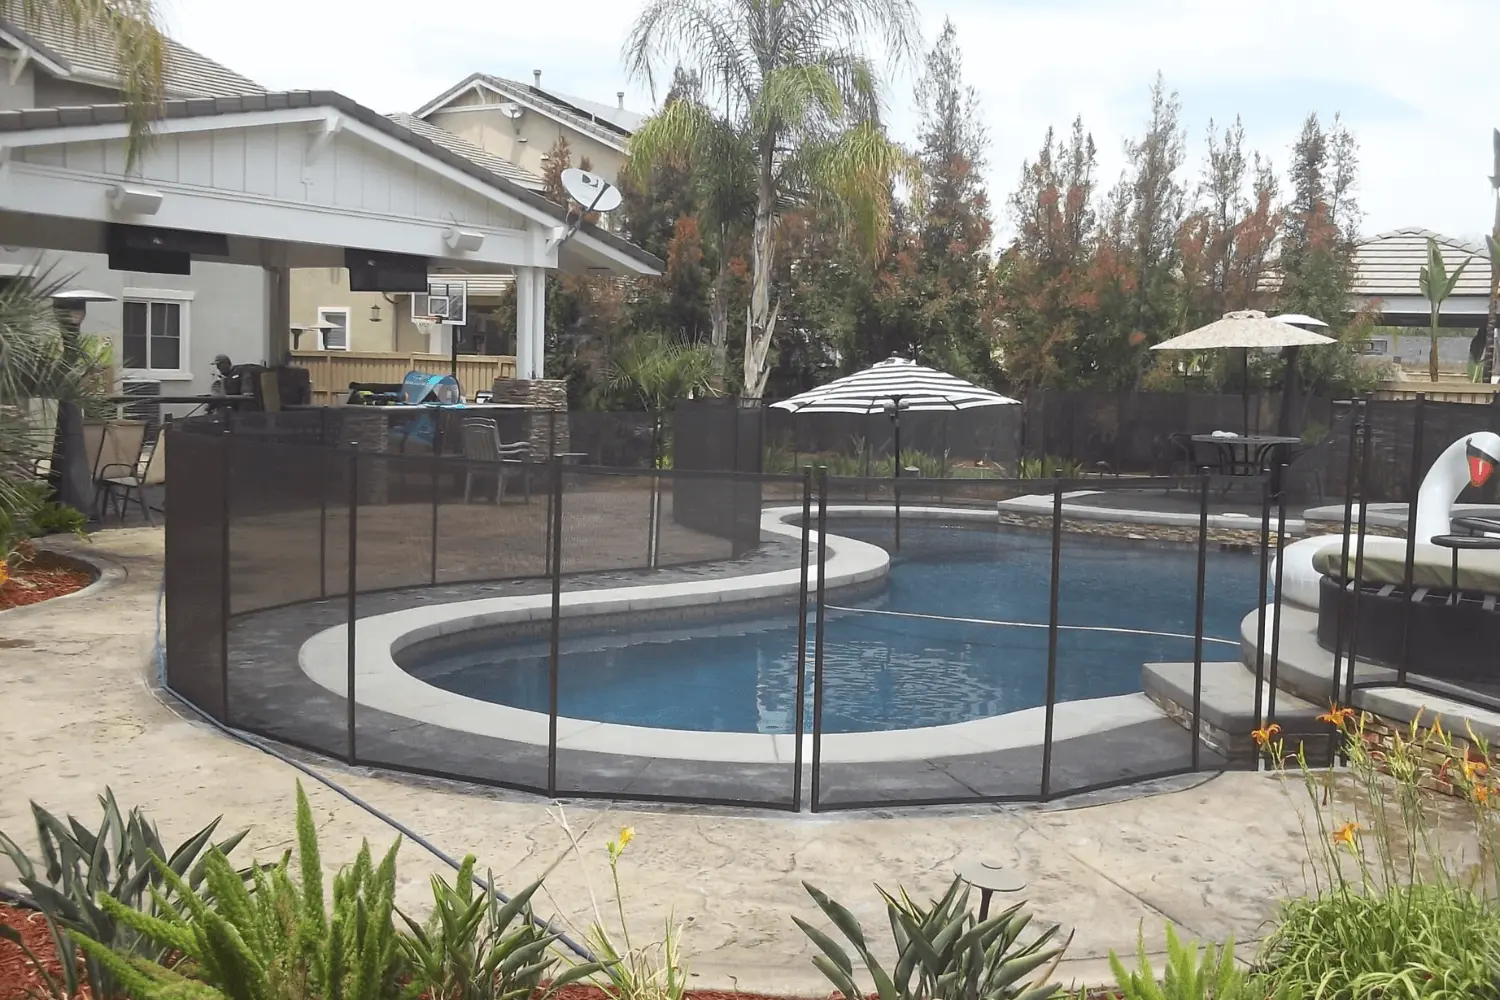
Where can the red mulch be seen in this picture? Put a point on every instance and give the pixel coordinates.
(40, 579)
(18, 980)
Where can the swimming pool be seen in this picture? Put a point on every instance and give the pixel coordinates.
(959, 633)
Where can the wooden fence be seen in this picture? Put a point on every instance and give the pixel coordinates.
(1442, 391)
(332, 371)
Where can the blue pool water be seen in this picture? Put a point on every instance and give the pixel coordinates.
(900, 660)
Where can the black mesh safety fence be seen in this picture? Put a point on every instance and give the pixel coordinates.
(648, 633)
(1006, 657)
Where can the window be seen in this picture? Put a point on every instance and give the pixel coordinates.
(337, 338)
(153, 333)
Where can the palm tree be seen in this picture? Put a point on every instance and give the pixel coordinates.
(1437, 284)
(131, 28)
(41, 367)
(720, 162)
(795, 83)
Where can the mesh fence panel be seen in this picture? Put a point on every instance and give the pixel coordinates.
(287, 544)
(195, 567)
(491, 520)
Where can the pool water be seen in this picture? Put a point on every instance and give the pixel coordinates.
(959, 633)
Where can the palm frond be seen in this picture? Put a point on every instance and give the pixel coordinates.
(129, 28)
(797, 96)
(696, 34)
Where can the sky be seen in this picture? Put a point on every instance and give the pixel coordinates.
(1417, 83)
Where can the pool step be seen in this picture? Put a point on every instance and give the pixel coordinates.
(1227, 707)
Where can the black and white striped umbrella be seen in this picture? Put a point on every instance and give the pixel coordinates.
(890, 382)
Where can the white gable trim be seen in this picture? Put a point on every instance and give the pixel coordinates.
(442, 104)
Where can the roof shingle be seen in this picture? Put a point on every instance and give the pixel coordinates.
(89, 55)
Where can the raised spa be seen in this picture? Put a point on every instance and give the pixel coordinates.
(959, 633)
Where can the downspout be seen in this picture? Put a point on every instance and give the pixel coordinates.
(395, 320)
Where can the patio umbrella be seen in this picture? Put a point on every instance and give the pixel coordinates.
(891, 386)
(1249, 329)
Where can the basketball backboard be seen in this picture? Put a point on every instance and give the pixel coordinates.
(447, 301)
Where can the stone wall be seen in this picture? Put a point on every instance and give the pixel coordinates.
(541, 396)
(1380, 736)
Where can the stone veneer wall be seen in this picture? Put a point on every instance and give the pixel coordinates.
(541, 396)
(1380, 735)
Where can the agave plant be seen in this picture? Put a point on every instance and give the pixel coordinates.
(943, 952)
(78, 868)
(278, 940)
(473, 948)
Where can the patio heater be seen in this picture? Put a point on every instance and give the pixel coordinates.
(70, 478)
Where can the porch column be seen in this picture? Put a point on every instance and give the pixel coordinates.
(525, 305)
(539, 321)
(278, 315)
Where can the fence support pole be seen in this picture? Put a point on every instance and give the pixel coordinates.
(799, 706)
(1260, 599)
(1359, 560)
(1198, 622)
(1280, 486)
(555, 561)
(226, 607)
(437, 475)
(1356, 428)
(653, 522)
(817, 724)
(1046, 789)
(352, 597)
(1418, 425)
(323, 519)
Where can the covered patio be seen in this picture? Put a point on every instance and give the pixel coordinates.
(289, 180)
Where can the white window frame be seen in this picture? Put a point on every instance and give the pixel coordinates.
(348, 330)
(183, 299)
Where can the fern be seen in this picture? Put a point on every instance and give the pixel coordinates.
(1189, 974)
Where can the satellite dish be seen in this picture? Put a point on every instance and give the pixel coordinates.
(512, 110)
(590, 190)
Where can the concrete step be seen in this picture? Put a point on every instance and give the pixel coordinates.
(1304, 668)
(1227, 708)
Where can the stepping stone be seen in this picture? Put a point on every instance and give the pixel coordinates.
(1227, 708)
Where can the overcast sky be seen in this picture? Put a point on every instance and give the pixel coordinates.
(1415, 81)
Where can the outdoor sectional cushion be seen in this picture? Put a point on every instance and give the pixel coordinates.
(1385, 562)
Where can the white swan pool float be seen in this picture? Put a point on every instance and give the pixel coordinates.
(1469, 461)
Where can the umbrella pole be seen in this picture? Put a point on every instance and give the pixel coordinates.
(896, 466)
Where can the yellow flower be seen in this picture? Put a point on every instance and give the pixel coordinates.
(1346, 834)
(1265, 734)
(1336, 716)
(627, 834)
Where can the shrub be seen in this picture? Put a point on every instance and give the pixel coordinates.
(943, 952)
(475, 948)
(121, 861)
(1394, 912)
(276, 942)
(1189, 974)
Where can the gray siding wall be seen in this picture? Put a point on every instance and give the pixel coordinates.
(227, 314)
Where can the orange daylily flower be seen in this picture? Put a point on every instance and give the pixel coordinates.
(1346, 834)
(1482, 794)
(1265, 734)
(1336, 716)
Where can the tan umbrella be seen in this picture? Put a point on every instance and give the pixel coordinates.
(1250, 329)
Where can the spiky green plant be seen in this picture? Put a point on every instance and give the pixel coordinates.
(277, 942)
(473, 947)
(943, 951)
(1190, 974)
(1437, 284)
(76, 867)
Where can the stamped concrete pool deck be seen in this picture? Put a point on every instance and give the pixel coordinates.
(80, 712)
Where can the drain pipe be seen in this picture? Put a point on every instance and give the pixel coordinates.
(159, 652)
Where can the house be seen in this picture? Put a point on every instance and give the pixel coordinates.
(165, 329)
(505, 126)
(239, 190)
(1388, 268)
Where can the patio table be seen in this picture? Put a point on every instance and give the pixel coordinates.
(1246, 454)
(1456, 542)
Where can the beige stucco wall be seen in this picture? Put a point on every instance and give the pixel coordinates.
(328, 287)
(526, 142)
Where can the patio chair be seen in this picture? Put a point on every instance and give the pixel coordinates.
(481, 440)
(122, 444)
(152, 471)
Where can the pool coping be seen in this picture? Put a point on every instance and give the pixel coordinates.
(381, 684)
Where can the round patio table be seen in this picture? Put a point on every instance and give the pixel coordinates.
(989, 878)
(1246, 454)
(1456, 542)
